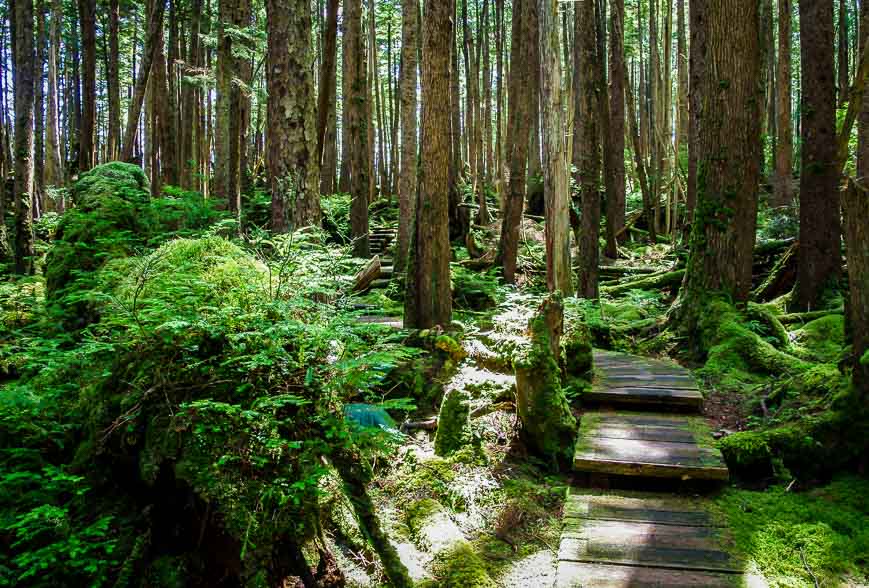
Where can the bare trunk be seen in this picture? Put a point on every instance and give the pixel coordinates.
(783, 191)
(408, 178)
(87, 17)
(356, 101)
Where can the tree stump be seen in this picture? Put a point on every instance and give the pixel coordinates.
(548, 426)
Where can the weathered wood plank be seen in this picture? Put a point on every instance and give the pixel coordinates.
(595, 550)
(648, 381)
(635, 396)
(643, 433)
(590, 575)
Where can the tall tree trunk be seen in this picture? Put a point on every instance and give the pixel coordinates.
(819, 255)
(326, 98)
(723, 233)
(155, 27)
(783, 191)
(428, 301)
(356, 102)
(23, 80)
(682, 75)
(616, 153)
(114, 87)
(855, 206)
(586, 148)
(697, 14)
(555, 177)
(166, 140)
(842, 62)
(408, 178)
(190, 105)
(39, 112)
(374, 76)
(87, 18)
(53, 153)
(292, 161)
(229, 108)
(487, 95)
(863, 121)
(523, 37)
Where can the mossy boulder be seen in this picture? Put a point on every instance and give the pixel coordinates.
(454, 427)
(823, 339)
(748, 455)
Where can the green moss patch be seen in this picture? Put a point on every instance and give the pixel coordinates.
(792, 536)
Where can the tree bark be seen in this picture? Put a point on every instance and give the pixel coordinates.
(855, 206)
(356, 101)
(87, 18)
(555, 177)
(586, 148)
(53, 157)
(155, 26)
(863, 121)
(114, 87)
(783, 190)
(428, 300)
(697, 14)
(616, 152)
(23, 80)
(819, 257)
(518, 133)
(328, 78)
(842, 62)
(407, 179)
(39, 112)
(723, 233)
(293, 166)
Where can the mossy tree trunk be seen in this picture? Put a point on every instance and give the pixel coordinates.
(784, 150)
(729, 149)
(294, 174)
(519, 97)
(855, 205)
(818, 259)
(428, 301)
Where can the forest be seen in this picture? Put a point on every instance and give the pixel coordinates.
(434, 293)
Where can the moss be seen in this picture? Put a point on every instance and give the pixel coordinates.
(576, 349)
(454, 429)
(826, 529)
(461, 567)
(110, 179)
(549, 427)
(823, 338)
(768, 326)
(419, 511)
(747, 454)
(737, 357)
(451, 347)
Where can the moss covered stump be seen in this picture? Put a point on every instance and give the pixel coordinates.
(548, 426)
(454, 426)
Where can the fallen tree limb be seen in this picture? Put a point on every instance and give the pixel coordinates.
(805, 317)
(367, 275)
(781, 278)
(665, 280)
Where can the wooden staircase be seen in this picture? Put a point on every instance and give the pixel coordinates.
(381, 240)
(644, 425)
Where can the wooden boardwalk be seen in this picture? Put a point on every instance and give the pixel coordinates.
(641, 427)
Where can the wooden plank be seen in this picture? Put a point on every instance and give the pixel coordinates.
(646, 451)
(662, 397)
(684, 470)
(643, 433)
(648, 381)
(597, 550)
(643, 419)
(591, 575)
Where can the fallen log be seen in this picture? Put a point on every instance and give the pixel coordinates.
(781, 278)
(367, 275)
(656, 281)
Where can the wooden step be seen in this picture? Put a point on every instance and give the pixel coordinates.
(636, 539)
(625, 444)
(660, 398)
(572, 574)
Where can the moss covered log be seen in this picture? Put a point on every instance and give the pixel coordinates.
(453, 430)
(652, 282)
